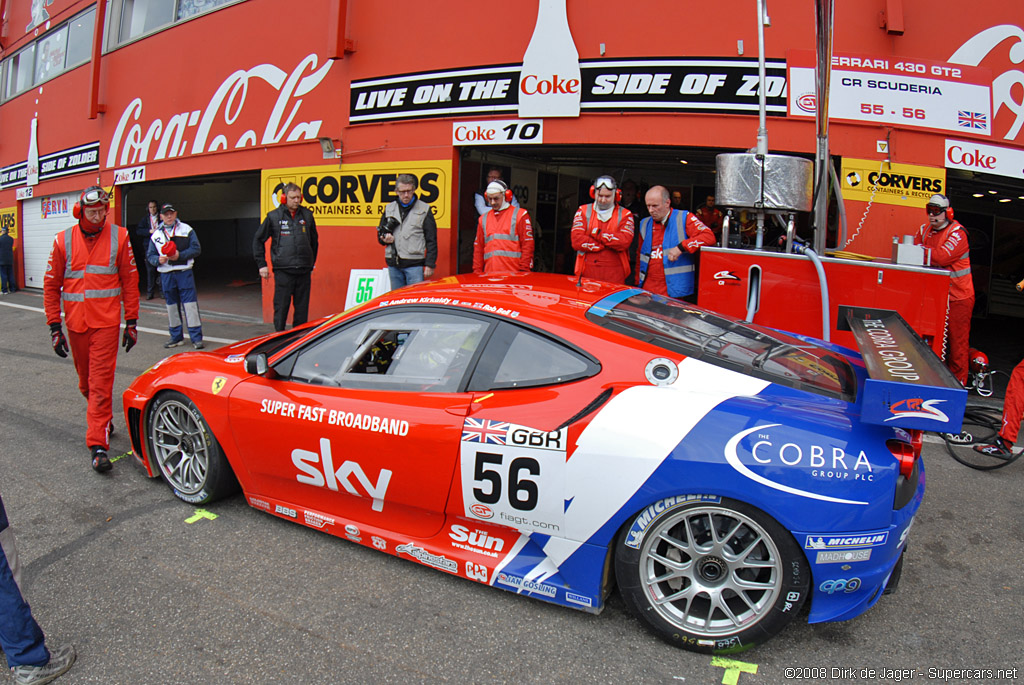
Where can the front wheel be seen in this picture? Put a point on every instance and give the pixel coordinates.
(185, 449)
(712, 577)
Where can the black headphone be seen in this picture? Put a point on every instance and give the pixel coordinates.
(618, 191)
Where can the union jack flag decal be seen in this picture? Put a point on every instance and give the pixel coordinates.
(485, 431)
(972, 119)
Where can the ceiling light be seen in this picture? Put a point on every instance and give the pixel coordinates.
(1004, 199)
(991, 192)
(979, 195)
(683, 161)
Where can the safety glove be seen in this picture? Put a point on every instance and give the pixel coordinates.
(57, 339)
(131, 335)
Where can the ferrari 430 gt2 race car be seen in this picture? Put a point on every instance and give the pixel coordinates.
(558, 438)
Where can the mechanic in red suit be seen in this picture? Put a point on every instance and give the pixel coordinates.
(602, 233)
(1013, 412)
(92, 271)
(948, 241)
(504, 236)
(669, 242)
(711, 216)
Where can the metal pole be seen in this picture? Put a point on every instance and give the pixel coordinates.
(823, 18)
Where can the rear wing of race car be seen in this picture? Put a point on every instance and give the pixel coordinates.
(907, 386)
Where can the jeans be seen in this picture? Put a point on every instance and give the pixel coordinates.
(403, 276)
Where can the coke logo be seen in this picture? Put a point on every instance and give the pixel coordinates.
(957, 155)
(482, 510)
(472, 133)
(533, 85)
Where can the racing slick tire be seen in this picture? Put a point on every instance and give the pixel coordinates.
(188, 455)
(716, 577)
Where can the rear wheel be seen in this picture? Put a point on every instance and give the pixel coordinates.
(185, 449)
(711, 577)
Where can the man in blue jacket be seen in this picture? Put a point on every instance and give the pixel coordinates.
(173, 248)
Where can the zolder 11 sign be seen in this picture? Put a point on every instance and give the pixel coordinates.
(504, 132)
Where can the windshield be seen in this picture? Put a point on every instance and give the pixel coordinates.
(726, 342)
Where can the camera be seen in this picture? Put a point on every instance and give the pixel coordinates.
(388, 227)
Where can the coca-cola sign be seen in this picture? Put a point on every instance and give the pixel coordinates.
(226, 122)
(991, 159)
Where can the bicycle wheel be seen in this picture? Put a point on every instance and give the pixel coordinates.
(980, 427)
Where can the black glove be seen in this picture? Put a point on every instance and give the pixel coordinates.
(131, 335)
(60, 343)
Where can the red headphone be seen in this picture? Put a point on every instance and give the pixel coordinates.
(949, 207)
(90, 197)
(605, 182)
(508, 192)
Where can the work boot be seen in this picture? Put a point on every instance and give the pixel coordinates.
(60, 661)
(199, 345)
(174, 343)
(100, 460)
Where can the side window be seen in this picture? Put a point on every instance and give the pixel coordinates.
(424, 351)
(80, 38)
(520, 358)
(52, 51)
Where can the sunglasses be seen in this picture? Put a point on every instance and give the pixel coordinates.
(934, 210)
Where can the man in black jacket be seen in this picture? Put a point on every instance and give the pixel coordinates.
(293, 247)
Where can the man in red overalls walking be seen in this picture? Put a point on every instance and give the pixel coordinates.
(91, 272)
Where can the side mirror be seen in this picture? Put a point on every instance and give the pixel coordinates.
(256, 363)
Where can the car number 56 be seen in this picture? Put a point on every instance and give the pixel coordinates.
(521, 486)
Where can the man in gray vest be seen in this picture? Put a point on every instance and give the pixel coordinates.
(408, 232)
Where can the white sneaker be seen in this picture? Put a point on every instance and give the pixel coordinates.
(60, 661)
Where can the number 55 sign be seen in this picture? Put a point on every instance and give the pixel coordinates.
(366, 284)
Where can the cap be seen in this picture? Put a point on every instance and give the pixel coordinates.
(167, 208)
(496, 188)
(939, 201)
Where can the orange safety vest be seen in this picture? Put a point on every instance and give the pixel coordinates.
(91, 284)
(502, 251)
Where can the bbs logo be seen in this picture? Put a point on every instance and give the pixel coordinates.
(7, 220)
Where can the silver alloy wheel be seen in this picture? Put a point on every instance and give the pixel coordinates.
(710, 571)
(180, 444)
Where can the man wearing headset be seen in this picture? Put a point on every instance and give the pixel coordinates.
(91, 272)
(504, 236)
(669, 241)
(602, 233)
(948, 242)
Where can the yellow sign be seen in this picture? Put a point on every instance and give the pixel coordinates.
(218, 384)
(356, 194)
(908, 185)
(9, 220)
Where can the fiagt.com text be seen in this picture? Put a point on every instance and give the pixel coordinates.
(896, 675)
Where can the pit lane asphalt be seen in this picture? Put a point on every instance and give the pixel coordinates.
(112, 565)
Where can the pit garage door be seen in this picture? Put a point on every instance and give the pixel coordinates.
(43, 218)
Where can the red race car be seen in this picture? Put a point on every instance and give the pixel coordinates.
(556, 438)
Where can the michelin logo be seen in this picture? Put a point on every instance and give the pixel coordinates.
(841, 542)
(636, 531)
